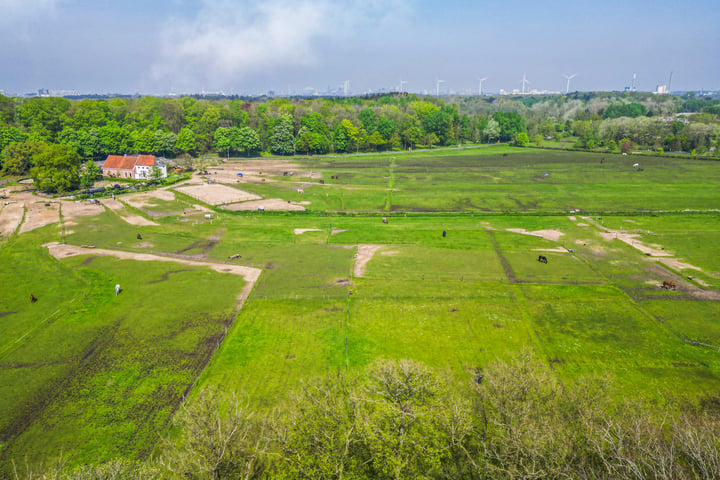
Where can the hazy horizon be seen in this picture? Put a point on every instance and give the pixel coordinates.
(246, 48)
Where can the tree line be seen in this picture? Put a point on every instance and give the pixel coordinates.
(403, 420)
(188, 126)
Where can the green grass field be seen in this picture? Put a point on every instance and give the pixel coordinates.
(99, 376)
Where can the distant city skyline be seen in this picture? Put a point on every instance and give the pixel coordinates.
(356, 47)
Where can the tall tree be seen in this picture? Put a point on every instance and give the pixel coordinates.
(18, 158)
(56, 169)
(185, 142)
(282, 139)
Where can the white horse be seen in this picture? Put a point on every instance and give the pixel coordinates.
(117, 289)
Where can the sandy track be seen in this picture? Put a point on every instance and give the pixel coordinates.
(553, 235)
(140, 200)
(551, 250)
(72, 210)
(117, 207)
(40, 214)
(269, 204)
(632, 239)
(215, 194)
(364, 255)
(10, 217)
(300, 231)
(250, 274)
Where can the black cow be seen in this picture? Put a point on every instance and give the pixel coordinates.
(444, 234)
(33, 299)
(542, 259)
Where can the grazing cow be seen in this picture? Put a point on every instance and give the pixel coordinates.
(322, 182)
(444, 233)
(117, 289)
(300, 190)
(636, 165)
(667, 285)
(384, 219)
(542, 259)
(139, 237)
(33, 298)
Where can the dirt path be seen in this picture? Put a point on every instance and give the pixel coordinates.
(553, 235)
(250, 274)
(364, 255)
(269, 204)
(10, 217)
(214, 194)
(40, 214)
(118, 207)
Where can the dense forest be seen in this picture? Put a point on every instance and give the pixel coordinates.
(91, 129)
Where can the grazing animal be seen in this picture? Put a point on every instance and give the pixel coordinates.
(542, 259)
(636, 165)
(384, 219)
(667, 285)
(444, 233)
(117, 289)
(300, 190)
(322, 182)
(33, 298)
(139, 237)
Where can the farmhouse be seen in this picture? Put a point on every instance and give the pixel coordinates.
(139, 167)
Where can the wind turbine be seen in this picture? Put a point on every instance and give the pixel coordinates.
(569, 77)
(524, 81)
(480, 80)
(437, 87)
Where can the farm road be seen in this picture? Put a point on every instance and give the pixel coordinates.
(250, 274)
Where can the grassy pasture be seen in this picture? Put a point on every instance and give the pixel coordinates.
(104, 375)
(99, 375)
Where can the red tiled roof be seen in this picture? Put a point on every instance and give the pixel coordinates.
(146, 160)
(120, 162)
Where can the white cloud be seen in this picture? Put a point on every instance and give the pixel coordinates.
(230, 39)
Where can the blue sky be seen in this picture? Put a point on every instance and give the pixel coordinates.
(239, 46)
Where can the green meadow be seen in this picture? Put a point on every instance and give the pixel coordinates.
(98, 376)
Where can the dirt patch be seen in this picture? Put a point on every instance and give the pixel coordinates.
(74, 209)
(572, 218)
(364, 255)
(250, 274)
(581, 224)
(254, 171)
(40, 214)
(389, 253)
(215, 194)
(275, 204)
(300, 231)
(632, 239)
(335, 231)
(487, 225)
(117, 207)
(10, 217)
(553, 235)
(551, 250)
(139, 200)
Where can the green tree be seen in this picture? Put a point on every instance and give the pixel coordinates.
(510, 124)
(18, 158)
(522, 139)
(538, 140)
(249, 141)
(185, 142)
(346, 137)
(90, 172)
(56, 169)
(282, 140)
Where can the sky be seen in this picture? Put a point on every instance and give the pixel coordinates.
(246, 47)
